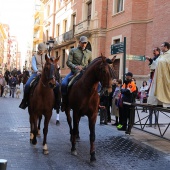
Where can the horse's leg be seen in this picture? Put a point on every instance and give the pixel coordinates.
(92, 122)
(69, 121)
(39, 124)
(78, 136)
(74, 134)
(31, 129)
(35, 131)
(45, 131)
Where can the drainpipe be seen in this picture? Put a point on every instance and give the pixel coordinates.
(53, 23)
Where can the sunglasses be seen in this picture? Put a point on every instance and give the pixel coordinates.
(84, 42)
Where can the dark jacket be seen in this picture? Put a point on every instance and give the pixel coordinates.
(77, 56)
(12, 82)
(128, 91)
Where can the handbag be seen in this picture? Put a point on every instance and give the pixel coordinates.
(138, 95)
(120, 101)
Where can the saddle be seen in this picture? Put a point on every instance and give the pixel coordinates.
(34, 83)
(74, 78)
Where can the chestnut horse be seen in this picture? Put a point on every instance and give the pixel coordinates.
(83, 99)
(42, 100)
(23, 78)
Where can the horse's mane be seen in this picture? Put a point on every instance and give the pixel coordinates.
(94, 61)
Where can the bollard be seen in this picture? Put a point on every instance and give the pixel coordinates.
(3, 164)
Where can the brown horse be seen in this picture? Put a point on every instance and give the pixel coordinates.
(83, 99)
(42, 100)
(23, 78)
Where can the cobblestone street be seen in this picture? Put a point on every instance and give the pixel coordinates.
(114, 149)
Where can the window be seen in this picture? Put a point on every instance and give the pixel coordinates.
(56, 54)
(58, 30)
(46, 35)
(118, 6)
(116, 41)
(89, 12)
(48, 10)
(63, 58)
(65, 26)
(73, 22)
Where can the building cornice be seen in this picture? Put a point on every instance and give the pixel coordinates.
(131, 22)
(44, 1)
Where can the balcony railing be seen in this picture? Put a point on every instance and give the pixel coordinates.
(68, 35)
(65, 37)
(82, 26)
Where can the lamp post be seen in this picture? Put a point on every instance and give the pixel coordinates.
(25, 64)
(50, 45)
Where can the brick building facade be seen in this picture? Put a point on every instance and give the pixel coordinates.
(105, 22)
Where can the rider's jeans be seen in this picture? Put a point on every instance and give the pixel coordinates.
(64, 83)
(27, 85)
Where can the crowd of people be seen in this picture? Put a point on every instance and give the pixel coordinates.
(8, 82)
(155, 91)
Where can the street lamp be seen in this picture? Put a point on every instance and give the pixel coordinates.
(50, 45)
(25, 64)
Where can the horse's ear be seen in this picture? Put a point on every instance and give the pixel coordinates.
(46, 57)
(103, 57)
(56, 60)
(114, 58)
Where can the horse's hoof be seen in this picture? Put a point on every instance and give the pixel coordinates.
(78, 138)
(93, 157)
(57, 122)
(74, 152)
(34, 142)
(45, 152)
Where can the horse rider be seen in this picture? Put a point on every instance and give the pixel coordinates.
(78, 58)
(38, 61)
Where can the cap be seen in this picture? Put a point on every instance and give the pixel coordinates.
(83, 39)
(42, 47)
(129, 74)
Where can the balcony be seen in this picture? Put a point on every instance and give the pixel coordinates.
(83, 26)
(68, 35)
(65, 38)
(36, 37)
(60, 39)
(36, 23)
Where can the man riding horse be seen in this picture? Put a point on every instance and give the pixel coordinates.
(78, 58)
(38, 61)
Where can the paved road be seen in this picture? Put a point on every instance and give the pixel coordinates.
(114, 149)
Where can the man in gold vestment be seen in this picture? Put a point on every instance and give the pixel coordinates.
(159, 93)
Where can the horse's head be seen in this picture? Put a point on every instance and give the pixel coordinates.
(49, 71)
(105, 74)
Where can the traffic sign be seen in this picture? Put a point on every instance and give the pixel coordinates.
(117, 48)
(136, 57)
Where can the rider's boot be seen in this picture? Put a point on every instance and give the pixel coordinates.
(64, 102)
(24, 102)
(57, 93)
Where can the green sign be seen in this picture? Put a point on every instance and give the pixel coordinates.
(136, 57)
(117, 48)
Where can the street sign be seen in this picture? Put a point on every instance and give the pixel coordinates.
(136, 57)
(117, 48)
